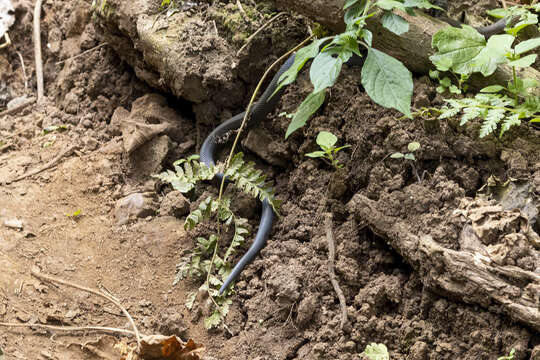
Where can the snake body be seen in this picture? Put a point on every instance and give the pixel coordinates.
(259, 112)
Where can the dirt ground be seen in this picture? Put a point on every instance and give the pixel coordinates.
(98, 218)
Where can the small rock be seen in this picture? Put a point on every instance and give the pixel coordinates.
(174, 204)
(418, 351)
(71, 103)
(265, 147)
(136, 205)
(87, 124)
(13, 223)
(349, 346)
(535, 353)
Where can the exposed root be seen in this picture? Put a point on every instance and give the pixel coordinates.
(82, 54)
(331, 259)
(249, 39)
(70, 328)
(102, 294)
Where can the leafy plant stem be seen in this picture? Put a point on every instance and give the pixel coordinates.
(233, 147)
(515, 85)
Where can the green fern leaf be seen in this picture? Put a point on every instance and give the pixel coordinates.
(251, 181)
(240, 229)
(494, 116)
(187, 173)
(512, 120)
(469, 113)
(203, 212)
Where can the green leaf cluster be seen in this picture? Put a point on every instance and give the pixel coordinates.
(188, 172)
(386, 80)
(327, 142)
(412, 147)
(494, 109)
(376, 351)
(463, 51)
(521, 16)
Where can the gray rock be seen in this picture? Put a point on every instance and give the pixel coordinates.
(535, 353)
(133, 206)
(261, 143)
(174, 204)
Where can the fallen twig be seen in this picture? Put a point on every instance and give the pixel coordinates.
(37, 51)
(82, 54)
(241, 8)
(8, 41)
(47, 166)
(70, 328)
(23, 70)
(21, 106)
(258, 31)
(103, 294)
(331, 258)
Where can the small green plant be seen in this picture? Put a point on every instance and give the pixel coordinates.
(54, 128)
(412, 147)
(205, 262)
(375, 351)
(327, 142)
(74, 214)
(509, 356)
(386, 80)
(464, 51)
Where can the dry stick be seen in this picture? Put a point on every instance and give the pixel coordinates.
(82, 54)
(23, 70)
(331, 259)
(21, 106)
(244, 120)
(258, 31)
(70, 328)
(50, 164)
(37, 51)
(8, 41)
(244, 15)
(95, 292)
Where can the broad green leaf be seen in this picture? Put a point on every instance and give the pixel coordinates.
(367, 36)
(387, 81)
(524, 62)
(390, 5)
(492, 89)
(301, 57)
(316, 154)
(410, 156)
(456, 46)
(421, 4)
(307, 108)
(535, 120)
(326, 139)
(465, 51)
(527, 45)
(354, 13)
(324, 71)
(376, 352)
(526, 19)
(413, 146)
(434, 74)
(397, 155)
(498, 13)
(350, 3)
(394, 23)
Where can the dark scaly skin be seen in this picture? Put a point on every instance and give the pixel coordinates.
(259, 112)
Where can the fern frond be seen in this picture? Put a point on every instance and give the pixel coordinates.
(187, 173)
(469, 113)
(203, 212)
(251, 181)
(240, 230)
(491, 121)
(512, 120)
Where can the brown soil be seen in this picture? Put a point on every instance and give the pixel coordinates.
(285, 306)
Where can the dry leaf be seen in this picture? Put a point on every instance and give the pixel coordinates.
(160, 347)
